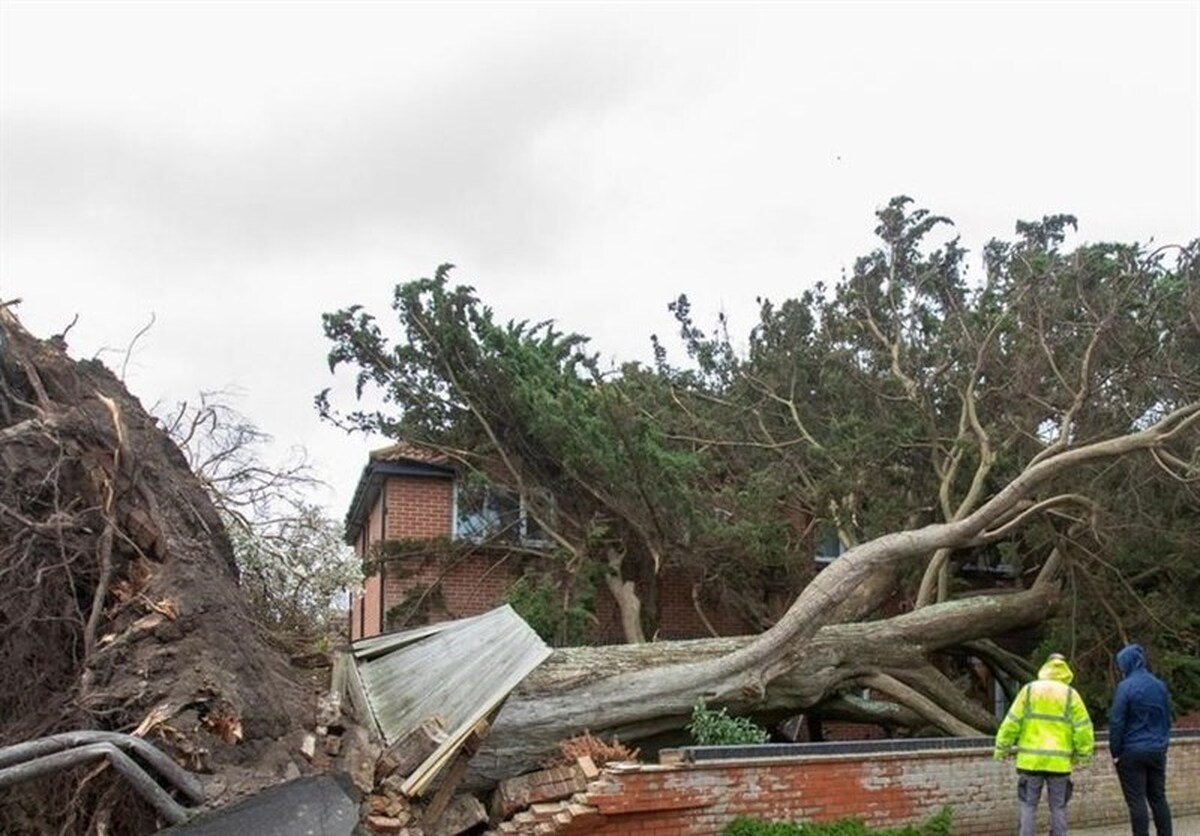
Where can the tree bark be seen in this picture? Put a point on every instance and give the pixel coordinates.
(629, 605)
(635, 691)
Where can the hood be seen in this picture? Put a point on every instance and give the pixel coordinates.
(1130, 658)
(1056, 669)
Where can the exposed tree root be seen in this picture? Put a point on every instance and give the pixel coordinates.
(103, 533)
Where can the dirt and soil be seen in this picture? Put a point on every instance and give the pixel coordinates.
(119, 601)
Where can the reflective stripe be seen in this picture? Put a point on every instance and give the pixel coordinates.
(1049, 718)
(1052, 753)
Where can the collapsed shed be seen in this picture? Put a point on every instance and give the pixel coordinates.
(434, 689)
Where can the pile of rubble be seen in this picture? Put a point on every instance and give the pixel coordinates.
(552, 800)
(338, 744)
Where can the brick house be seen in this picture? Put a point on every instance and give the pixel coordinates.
(409, 494)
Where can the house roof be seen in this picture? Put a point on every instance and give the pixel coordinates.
(400, 459)
(459, 671)
(403, 451)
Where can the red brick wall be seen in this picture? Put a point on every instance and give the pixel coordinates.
(356, 609)
(408, 507)
(415, 507)
(370, 604)
(411, 507)
(418, 507)
(373, 532)
(473, 585)
(477, 583)
(891, 789)
(677, 617)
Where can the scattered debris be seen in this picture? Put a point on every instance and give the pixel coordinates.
(597, 750)
(311, 660)
(308, 747)
(357, 757)
(536, 787)
(406, 754)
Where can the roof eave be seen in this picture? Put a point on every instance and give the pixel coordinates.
(369, 484)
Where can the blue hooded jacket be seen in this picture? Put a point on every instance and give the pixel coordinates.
(1140, 717)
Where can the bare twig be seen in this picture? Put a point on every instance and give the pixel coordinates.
(133, 342)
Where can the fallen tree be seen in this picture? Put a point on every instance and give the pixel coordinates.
(1036, 427)
(119, 601)
(903, 394)
(816, 650)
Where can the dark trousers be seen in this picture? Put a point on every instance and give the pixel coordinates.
(1029, 793)
(1144, 780)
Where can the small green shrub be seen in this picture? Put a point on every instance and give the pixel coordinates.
(939, 825)
(717, 728)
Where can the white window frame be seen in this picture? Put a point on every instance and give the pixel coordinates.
(524, 519)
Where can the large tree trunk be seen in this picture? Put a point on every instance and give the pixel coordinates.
(629, 605)
(635, 691)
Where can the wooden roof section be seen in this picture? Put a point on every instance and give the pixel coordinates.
(457, 671)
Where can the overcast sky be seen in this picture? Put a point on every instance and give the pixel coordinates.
(237, 169)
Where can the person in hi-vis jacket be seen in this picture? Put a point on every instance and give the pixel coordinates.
(1049, 730)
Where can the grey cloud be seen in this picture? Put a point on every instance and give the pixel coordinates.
(455, 151)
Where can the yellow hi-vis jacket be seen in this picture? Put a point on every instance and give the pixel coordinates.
(1047, 724)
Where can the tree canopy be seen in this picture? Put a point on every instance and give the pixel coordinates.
(910, 391)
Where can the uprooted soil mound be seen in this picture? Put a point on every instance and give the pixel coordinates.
(119, 603)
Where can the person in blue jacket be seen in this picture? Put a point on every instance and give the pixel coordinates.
(1139, 731)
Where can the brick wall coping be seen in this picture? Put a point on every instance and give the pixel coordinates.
(856, 749)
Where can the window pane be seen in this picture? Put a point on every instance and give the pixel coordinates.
(476, 518)
(487, 512)
(826, 544)
(506, 513)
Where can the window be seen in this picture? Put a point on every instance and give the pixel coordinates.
(484, 512)
(991, 562)
(827, 546)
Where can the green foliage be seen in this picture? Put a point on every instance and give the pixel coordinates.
(528, 409)
(901, 394)
(939, 825)
(711, 727)
(559, 615)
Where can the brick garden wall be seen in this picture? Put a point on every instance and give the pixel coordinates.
(882, 789)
